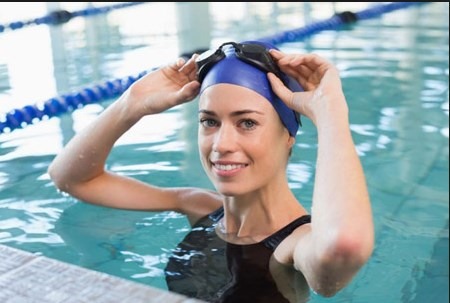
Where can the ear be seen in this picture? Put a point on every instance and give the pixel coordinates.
(291, 141)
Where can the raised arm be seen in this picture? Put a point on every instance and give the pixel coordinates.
(79, 169)
(341, 235)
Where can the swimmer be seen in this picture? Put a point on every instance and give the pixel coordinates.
(251, 237)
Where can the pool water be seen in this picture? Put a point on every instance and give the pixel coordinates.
(395, 73)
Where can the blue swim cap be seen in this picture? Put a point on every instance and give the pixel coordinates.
(232, 70)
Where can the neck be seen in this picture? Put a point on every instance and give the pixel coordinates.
(255, 216)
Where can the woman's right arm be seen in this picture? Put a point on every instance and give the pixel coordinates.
(79, 169)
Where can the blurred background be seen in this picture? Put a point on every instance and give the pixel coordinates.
(394, 68)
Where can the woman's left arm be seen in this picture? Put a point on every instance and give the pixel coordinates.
(341, 236)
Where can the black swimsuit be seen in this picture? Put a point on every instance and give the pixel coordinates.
(205, 267)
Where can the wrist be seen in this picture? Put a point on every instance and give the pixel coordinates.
(126, 112)
(332, 115)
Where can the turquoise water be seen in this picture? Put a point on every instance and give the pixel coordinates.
(395, 73)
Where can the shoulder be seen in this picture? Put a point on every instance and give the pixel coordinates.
(284, 253)
(196, 203)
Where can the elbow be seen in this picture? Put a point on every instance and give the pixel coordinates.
(352, 249)
(348, 254)
(341, 262)
(351, 245)
(54, 177)
(58, 179)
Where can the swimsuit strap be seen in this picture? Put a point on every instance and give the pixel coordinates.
(216, 215)
(274, 240)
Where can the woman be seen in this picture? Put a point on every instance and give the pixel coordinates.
(252, 233)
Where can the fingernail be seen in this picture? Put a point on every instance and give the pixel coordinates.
(180, 61)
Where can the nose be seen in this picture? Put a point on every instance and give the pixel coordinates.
(225, 139)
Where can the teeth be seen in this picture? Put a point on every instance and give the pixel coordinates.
(228, 166)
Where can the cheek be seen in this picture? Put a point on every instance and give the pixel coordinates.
(274, 145)
(203, 146)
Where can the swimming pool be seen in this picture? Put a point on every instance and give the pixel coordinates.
(395, 75)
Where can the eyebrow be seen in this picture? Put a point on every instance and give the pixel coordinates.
(235, 113)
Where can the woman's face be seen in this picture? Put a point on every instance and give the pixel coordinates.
(243, 144)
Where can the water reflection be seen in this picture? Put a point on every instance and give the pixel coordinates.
(395, 75)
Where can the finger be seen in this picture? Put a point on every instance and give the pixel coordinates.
(306, 66)
(189, 91)
(175, 65)
(292, 65)
(287, 59)
(190, 67)
(310, 60)
(290, 59)
(180, 62)
(301, 73)
(295, 101)
(317, 65)
(276, 54)
(285, 94)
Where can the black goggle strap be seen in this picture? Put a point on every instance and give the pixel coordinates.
(258, 55)
(204, 65)
(253, 54)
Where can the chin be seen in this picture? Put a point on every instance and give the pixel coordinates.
(230, 191)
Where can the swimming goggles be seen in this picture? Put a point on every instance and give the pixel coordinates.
(251, 53)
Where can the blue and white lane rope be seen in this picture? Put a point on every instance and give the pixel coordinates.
(19, 118)
(63, 16)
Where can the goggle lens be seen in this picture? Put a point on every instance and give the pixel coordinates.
(253, 54)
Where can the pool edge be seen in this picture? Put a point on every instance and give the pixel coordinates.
(29, 277)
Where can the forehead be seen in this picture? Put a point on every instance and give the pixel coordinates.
(233, 97)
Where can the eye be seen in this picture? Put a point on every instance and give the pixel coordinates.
(208, 122)
(248, 124)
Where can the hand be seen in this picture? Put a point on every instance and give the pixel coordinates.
(320, 80)
(164, 88)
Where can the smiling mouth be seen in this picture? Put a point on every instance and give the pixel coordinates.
(228, 167)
